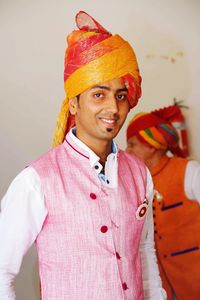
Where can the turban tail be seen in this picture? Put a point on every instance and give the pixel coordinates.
(94, 56)
(163, 129)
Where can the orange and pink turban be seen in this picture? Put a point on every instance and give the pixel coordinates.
(94, 56)
(162, 129)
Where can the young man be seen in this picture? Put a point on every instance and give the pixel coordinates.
(176, 209)
(85, 202)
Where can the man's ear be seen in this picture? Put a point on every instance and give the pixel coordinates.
(73, 104)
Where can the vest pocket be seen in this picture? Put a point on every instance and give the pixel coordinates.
(172, 205)
(184, 251)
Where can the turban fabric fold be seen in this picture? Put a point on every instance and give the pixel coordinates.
(95, 56)
(163, 129)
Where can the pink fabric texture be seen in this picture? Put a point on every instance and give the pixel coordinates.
(89, 244)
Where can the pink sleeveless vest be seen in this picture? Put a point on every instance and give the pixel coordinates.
(88, 248)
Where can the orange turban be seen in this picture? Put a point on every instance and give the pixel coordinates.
(162, 129)
(94, 56)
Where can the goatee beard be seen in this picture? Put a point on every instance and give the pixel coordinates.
(109, 129)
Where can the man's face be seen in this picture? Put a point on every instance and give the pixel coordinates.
(100, 111)
(141, 150)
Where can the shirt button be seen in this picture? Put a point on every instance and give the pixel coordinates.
(93, 196)
(107, 181)
(124, 286)
(118, 256)
(96, 167)
(104, 229)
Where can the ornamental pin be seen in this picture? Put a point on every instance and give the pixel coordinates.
(142, 210)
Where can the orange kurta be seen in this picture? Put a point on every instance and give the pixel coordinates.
(177, 230)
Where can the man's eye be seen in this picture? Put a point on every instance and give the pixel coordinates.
(98, 95)
(121, 96)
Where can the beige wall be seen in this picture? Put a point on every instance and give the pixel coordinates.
(165, 35)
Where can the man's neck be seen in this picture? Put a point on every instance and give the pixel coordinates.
(102, 148)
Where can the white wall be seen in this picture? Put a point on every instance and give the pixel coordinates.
(165, 35)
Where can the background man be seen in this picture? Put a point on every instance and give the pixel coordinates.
(176, 209)
(84, 203)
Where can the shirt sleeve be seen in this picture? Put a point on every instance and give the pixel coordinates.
(22, 215)
(192, 180)
(152, 283)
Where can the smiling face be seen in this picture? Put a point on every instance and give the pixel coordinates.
(100, 112)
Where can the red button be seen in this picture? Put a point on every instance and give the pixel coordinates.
(93, 196)
(104, 229)
(124, 286)
(118, 256)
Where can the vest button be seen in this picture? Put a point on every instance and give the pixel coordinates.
(124, 286)
(93, 196)
(104, 229)
(118, 256)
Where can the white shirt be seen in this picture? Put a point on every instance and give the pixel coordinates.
(192, 180)
(23, 214)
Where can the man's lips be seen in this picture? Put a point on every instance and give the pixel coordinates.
(109, 122)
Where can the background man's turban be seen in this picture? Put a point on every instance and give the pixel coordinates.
(162, 129)
(93, 56)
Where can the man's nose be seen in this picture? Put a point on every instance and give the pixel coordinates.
(112, 104)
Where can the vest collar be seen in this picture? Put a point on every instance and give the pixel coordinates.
(70, 143)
